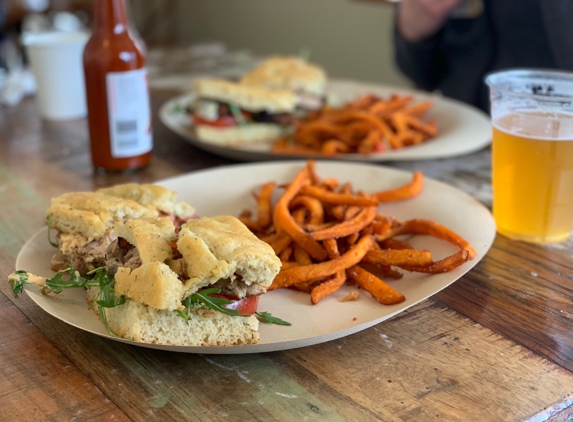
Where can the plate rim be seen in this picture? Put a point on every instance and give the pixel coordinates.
(287, 344)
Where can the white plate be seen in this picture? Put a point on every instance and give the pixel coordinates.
(462, 129)
(228, 190)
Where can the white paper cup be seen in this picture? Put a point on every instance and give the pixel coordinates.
(56, 59)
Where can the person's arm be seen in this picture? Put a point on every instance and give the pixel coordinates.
(559, 32)
(417, 37)
(418, 20)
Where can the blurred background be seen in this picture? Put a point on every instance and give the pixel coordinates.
(349, 38)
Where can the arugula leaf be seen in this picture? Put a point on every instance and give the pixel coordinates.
(106, 297)
(186, 313)
(54, 244)
(214, 303)
(202, 298)
(101, 277)
(267, 318)
(103, 317)
(177, 108)
(17, 281)
(57, 284)
(304, 54)
(110, 301)
(236, 111)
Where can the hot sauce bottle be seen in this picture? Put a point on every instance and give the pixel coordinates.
(119, 114)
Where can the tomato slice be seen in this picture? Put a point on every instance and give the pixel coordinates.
(245, 306)
(380, 147)
(223, 121)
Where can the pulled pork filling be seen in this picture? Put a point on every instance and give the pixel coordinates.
(121, 253)
(239, 288)
(82, 255)
(113, 252)
(176, 220)
(236, 287)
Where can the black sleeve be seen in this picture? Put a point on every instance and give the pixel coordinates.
(421, 61)
(2, 16)
(557, 19)
(454, 61)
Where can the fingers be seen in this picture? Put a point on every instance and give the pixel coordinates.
(420, 19)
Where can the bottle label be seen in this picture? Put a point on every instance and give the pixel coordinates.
(129, 113)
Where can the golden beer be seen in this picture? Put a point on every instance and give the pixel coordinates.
(532, 169)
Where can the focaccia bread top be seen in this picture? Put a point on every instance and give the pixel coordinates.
(151, 236)
(280, 72)
(218, 251)
(227, 250)
(90, 214)
(153, 196)
(153, 284)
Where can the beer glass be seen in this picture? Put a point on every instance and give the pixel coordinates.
(532, 154)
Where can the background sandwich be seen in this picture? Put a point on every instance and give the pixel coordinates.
(228, 113)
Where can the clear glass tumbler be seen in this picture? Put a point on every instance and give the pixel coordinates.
(532, 154)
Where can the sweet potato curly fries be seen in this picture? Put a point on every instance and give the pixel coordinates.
(327, 235)
(366, 125)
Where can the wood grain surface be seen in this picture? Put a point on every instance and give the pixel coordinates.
(494, 346)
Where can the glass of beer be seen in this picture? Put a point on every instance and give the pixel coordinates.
(532, 154)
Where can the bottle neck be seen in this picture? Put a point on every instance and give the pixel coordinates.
(110, 16)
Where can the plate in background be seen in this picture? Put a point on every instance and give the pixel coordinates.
(463, 129)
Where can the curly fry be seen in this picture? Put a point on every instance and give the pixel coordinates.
(398, 257)
(313, 206)
(361, 220)
(418, 226)
(404, 192)
(366, 125)
(328, 287)
(324, 239)
(284, 219)
(337, 198)
(447, 264)
(373, 285)
(265, 211)
(316, 272)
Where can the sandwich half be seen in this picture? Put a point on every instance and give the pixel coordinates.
(166, 289)
(229, 113)
(198, 286)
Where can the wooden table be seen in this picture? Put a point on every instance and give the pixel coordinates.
(494, 346)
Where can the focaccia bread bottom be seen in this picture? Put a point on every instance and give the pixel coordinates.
(252, 133)
(141, 323)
